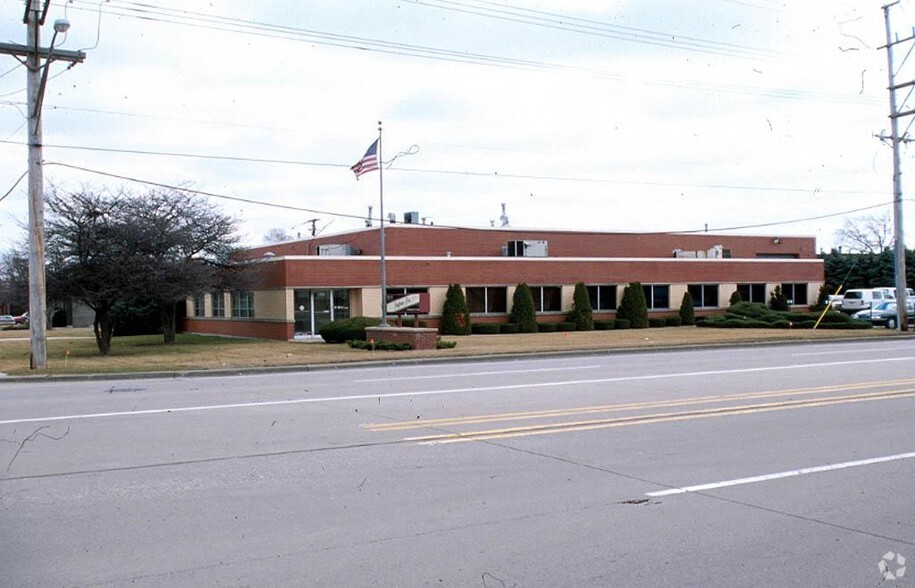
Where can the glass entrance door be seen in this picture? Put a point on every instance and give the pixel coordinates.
(316, 308)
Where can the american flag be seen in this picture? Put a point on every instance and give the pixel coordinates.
(369, 161)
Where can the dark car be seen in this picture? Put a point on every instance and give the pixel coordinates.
(884, 314)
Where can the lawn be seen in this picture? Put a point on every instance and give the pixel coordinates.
(73, 351)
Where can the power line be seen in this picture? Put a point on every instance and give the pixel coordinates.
(494, 174)
(192, 19)
(361, 217)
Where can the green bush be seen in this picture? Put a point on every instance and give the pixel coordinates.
(581, 315)
(633, 306)
(604, 324)
(735, 298)
(455, 314)
(757, 315)
(523, 313)
(347, 329)
(442, 344)
(509, 328)
(687, 310)
(778, 301)
(547, 327)
(379, 345)
(485, 329)
(657, 322)
(673, 321)
(567, 326)
(621, 323)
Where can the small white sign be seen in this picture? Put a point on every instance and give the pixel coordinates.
(403, 303)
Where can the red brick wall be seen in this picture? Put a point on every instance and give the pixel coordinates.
(437, 241)
(417, 338)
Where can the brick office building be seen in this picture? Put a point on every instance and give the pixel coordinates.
(300, 285)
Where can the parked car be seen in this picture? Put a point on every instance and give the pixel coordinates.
(835, 302)
(884, 314)
(861, 298)
(22, 319)
(6, 320)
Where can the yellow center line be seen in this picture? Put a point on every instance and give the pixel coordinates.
(655, 418)
(608, 408)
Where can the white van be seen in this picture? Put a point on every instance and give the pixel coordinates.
(860, 298)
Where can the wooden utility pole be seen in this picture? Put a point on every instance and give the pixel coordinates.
(895, 115)
(31, 55)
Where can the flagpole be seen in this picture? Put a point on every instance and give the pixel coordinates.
(384, 280)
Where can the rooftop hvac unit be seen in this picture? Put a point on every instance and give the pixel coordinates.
(411, 218)
(336, 249)
(525, 249)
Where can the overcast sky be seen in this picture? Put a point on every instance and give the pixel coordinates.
(613, 115)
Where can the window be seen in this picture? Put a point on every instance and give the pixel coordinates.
(243, 304)
(547, 298)
(602, 297)
(219, 304)
(657, 296)
(752, 292)
(795, 293)
(199, 305)
(704, 295)
(487, 299)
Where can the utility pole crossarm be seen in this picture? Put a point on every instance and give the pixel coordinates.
(43, 52)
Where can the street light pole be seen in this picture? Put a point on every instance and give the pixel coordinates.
(38, 358)
(32, 52)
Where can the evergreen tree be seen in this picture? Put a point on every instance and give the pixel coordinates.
(581, 313)
(778, 301)
(455, 314)
(687, 312)
(523, 313)
(633, 306)
(735, 298)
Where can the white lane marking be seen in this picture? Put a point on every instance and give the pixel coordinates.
(859, 351)
(448, 391)
(779, 475)
(470, 374)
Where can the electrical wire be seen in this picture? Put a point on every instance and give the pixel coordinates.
(495, 174)
(361, 217)
(13, 187)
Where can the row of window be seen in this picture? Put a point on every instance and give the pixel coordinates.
(242, 304)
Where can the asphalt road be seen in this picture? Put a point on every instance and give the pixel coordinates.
(753, 466)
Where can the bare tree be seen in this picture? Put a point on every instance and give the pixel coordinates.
(866, 234)
(276, 235)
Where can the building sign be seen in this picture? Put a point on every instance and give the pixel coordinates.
(411, 303)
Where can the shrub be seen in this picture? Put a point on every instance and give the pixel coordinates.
(379, 345)
(581, 315)
(603, 324)
(633, 306)
(442, 344)
(778, 301)
(657, 322)
(485, 329)
(547, 327)
(687, 310)
(567, 326)
(347, 329)
(523, 313)
(673, 321)
(758, 315)
(455, 314)
(508, 328)
(621, 324)
(735, 298)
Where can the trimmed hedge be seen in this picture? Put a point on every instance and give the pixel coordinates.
(547, 327)
(510, 328)
(485, 329)
(351, 329)
(379, 345)
(604, 324)
(673, 321)
(566, 326)
(621, 323)
(657, 322)
(749, 315)
(442, 344)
